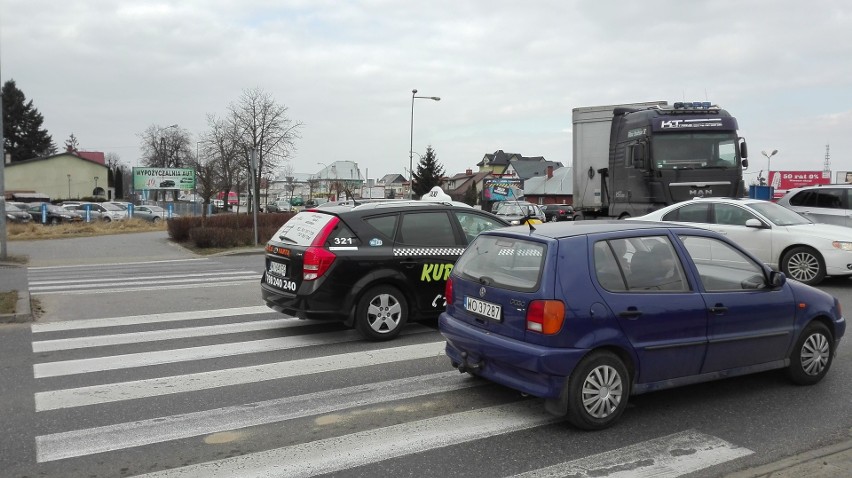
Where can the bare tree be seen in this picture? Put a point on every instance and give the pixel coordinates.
(167, 147)
(222, 143)
(265, 128)
(206, 176)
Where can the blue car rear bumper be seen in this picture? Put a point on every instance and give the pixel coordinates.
(532, 369)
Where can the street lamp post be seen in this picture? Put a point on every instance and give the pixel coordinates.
(768, 158)
(411, 138)
(69, 186)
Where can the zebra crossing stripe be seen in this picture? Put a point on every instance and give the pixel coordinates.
(159, 357)
(115, 392)
(358, 449)
(666, 457)
(136, 279)
(126, 283)
(165, 334)
(148, 319)
(190, 285)
(114, 264)
(76, 443)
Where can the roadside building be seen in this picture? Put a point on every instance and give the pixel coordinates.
(61, 176)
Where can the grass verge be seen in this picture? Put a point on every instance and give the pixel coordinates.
(32, 231)
(8, 301)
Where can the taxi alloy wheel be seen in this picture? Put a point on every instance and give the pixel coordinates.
(598, 391)
(381, 313)
(812, 355)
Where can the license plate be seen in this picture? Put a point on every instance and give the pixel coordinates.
(483, 308)
(278, 269)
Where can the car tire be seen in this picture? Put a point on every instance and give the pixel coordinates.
(155, 219)
(598, 391)
(54, 221)
(804, 265)
(107, 219)
(812, 355)
(381, 313)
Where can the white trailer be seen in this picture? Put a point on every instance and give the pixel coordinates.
(591, 133)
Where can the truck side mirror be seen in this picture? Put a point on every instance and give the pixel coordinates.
(743, 151)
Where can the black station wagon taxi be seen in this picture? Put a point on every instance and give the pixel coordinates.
(374, 266)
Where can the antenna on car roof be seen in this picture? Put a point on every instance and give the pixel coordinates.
(528, 215)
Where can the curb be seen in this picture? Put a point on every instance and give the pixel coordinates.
(826, 462)
(23, 310)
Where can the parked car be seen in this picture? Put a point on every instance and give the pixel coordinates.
(168, 183)
(155, 210)
(781, 238)
(374, 267)
(519, 212)
(54, 214)
(17, 214)
(585, 314)
(122, 207)
(558, 212)
(94, 215)
(830, 204)
(102, 211)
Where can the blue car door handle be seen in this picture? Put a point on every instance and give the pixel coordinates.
(631, 313)
(718, 309)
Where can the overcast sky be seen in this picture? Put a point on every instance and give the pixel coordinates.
(508, 72)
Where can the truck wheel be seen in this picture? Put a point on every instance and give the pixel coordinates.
(381, 313)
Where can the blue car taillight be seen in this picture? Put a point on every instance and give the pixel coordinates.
(545, 316)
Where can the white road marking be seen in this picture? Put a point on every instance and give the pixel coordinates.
(157, 430)
(136, 279)
(203, 285)
(115, 392)
(148, 319)
(357, 449)
(159, 357)
(666, 457)
(113, 264)
(164, 334)
(193, 278)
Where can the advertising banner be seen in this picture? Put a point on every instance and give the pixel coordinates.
(163, 178)
(783, 181)
(499, 189)
(843, 177)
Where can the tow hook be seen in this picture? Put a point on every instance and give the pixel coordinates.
(464, 366)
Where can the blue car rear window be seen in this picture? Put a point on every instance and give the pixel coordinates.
(507, 263)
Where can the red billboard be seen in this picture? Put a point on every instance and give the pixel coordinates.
(783, 181)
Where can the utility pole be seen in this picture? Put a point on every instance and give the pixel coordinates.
(3, 253)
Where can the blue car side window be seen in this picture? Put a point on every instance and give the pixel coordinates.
(721, 267)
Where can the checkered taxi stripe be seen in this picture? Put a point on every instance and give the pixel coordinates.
(427, 251)
(519, 252)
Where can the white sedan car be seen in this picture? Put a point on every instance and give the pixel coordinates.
(781, 238)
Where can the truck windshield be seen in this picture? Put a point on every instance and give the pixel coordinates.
(698, 150)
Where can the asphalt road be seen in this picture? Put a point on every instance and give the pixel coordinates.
(161, 361)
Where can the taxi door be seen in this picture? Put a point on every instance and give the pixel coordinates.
(427, 246)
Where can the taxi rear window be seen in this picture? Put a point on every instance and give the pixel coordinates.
(303, 228)
(513, 264)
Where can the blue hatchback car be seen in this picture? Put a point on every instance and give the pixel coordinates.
(586, 314)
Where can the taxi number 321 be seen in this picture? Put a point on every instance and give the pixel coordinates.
(279, 283)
